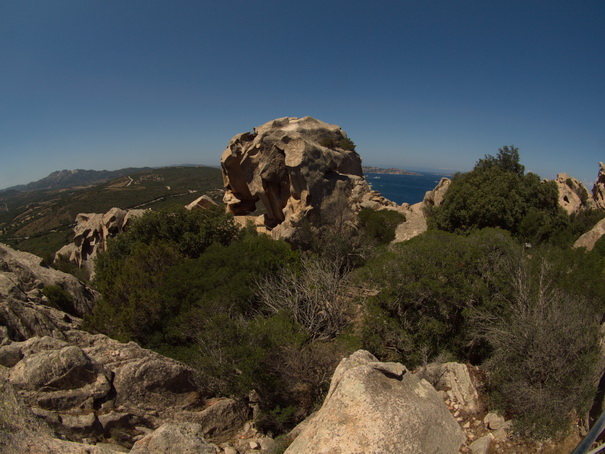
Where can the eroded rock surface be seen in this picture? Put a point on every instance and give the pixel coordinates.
(91, 233)
(297, 168)
(573, 195)
(379, 407)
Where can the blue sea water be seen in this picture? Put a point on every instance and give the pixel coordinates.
(403, 188)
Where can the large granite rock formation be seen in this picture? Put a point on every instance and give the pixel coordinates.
(297, 168)
(378, 407)
(573, 195)
(91, 233)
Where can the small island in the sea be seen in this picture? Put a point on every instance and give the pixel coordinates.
(390, 171)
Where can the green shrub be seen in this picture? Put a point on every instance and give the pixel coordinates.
(426, 290)
(59, 298)
(497, 193)
(380, 225)
(344, 143)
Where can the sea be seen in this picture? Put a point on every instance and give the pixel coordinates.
(403, 188)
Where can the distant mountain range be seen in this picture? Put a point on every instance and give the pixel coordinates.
(63, 179)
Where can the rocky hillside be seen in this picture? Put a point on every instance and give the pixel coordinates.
(41, 221)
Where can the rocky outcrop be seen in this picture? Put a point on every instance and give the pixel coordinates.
(91, 233)
(573, 195)
(23, 279)
(298, 168)
(379, 407)
(590, 238)
(598, 190)
(416, 215)
(201, 202)
(22, 432)
(90, 387)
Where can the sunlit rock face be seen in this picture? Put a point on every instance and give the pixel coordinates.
(91, 233)
(297, 168)
(573, 195)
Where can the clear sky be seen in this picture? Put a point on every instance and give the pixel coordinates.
(106, 84)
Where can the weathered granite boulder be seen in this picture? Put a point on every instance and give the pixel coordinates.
(22, 432)
(379, 407)
(23, 278)
(590, 238)
(573, 195)
(598, 190)
(184, 438)
(90, 386)
(91, 233)
(297, 168)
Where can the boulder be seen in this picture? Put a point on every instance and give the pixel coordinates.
(435, 197)
(455, 380)
(481, 445)
(590, 238)
(598, 190)
(573, 195)
(184, 438)
(221, 419)
(379, 407)
(297, 168)
(91, 233)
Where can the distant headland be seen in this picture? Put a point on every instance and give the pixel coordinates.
(390, 171)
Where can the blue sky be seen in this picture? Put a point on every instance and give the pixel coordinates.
(416, 84)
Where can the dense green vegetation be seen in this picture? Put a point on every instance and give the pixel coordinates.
(494, 283)
(498, 193)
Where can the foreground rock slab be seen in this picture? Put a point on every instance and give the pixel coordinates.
(379, 407)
